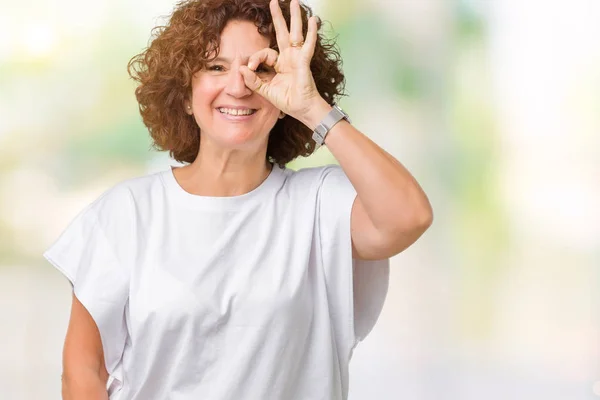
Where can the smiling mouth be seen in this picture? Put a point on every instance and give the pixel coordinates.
(235, 112)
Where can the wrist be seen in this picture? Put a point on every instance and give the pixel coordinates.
(316, 112)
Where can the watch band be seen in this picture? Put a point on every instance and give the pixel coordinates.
(332, 118)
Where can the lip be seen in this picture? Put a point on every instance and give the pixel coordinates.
(234, 107)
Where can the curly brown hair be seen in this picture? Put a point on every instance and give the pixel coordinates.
(177, 50)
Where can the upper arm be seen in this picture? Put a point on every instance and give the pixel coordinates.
(368, 243)
(82, 352)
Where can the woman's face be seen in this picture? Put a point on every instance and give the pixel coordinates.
(219, 88)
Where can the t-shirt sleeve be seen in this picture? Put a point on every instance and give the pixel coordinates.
(83, 253)
(356, 289)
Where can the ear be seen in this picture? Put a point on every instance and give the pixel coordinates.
(282, 115)
(187, 106)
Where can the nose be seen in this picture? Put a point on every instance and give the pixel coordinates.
(236, 86)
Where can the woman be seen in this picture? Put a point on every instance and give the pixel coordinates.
(232, 277)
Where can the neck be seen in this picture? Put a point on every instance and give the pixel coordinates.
(223, 177)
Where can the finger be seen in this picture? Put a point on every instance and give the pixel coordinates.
(311, 37)
(281, 30)
(253, 81)
(295, 22)
(267, 56)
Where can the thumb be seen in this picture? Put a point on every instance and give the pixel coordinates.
(253, 81)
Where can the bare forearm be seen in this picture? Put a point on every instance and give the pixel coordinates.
(85, 385)
(392, 198)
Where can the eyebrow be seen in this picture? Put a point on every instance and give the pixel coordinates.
(227, 60)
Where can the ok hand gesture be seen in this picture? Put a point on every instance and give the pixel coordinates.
(293, 88)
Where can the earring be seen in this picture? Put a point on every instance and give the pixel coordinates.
(281, 115)
(189, 109)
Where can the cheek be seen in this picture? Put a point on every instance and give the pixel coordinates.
(204, 91)
(270, 109)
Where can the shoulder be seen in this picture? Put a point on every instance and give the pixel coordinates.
(313, 176)
(116, 212)
(118, 202)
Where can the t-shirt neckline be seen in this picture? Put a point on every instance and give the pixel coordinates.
(220, 202)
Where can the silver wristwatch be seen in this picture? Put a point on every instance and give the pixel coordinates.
(334, 116)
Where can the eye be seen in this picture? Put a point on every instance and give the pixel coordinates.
(262, 68)
(215, 68)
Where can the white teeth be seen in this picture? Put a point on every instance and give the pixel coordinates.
(231, 111)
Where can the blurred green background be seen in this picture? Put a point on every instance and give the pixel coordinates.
(492, 105)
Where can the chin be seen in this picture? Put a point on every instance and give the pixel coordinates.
(242, 138)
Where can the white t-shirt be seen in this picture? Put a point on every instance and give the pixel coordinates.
(224, 298)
